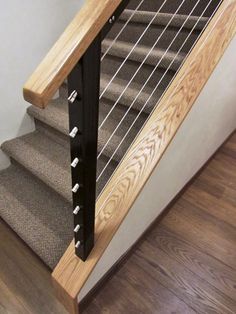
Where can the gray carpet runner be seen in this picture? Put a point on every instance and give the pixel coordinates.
(35, 191)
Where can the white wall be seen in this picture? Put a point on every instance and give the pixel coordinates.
(28, 30)
(209, 123)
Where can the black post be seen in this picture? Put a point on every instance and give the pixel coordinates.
(83, 90)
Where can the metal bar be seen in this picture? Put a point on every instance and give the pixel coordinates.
(83, 90)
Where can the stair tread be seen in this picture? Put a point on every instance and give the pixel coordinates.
(122, 49)
(164, 18)
(56, 116)
(163, 29)
(170, 7)
(118, 86)
(48, 161)
(36, 213)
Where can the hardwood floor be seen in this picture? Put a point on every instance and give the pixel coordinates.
(25, 282)
(186, 263)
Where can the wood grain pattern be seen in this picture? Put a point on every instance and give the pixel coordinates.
(166, 272)
(219, 239)
(196, 292)
(187, 253)
(67, 51)
(132, 291)
(144, 155)
(25, 282)
(222, 209)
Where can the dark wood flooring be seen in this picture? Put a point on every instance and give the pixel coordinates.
(186, 263)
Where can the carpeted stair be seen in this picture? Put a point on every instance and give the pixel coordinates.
(35, 191)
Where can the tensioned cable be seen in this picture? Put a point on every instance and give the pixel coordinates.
(104, 202)
(121, 31)
(140, 112)
(150, 76)
(127, 86)
(140, 38)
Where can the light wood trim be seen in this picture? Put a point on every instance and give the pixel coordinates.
(71, 304)
(67, 51)
(124, 187)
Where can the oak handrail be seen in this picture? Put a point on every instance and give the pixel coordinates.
(143, 156)
(67, 51)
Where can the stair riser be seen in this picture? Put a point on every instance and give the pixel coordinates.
(142, 54)
(132, 97)
(163, 19)
(172, 6)
(50, 162)
(104, 134)
(38, 215)
(113, 66)
(53, 134)
(154, 35)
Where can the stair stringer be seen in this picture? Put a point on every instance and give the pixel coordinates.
(113, 205)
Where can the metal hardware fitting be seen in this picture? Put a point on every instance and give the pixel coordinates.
(78, 244)
(75, 188)
(112, 19)
(75, 162)
(73, 97)
(74, 132)
(77, 228)
(76, 210)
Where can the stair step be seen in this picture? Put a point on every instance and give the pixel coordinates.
(138, 72)
(117, 88)
(56, 117)
(122, 49)
(49, 161)
(163, 19)
(41, 217)
(172, 6)
(156, 34)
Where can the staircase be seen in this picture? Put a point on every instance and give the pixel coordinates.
(35, 191)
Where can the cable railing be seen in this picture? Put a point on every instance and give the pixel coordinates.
(137, 79)
(158, 83)
(122, 30)
(139, 68)
(136, 44)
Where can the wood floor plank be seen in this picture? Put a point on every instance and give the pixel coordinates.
(202, 233)
(205, 266)
(223, 168)
(229, 148)
(133, 289)
(219, 178)
(190, 288)
(201, 218)
(150, 288)
(219, 208)
(25, 275)
(9, 303)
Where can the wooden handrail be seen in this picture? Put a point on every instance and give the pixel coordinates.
(143, 156)
(67, 51)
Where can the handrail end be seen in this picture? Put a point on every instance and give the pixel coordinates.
(34, 98)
